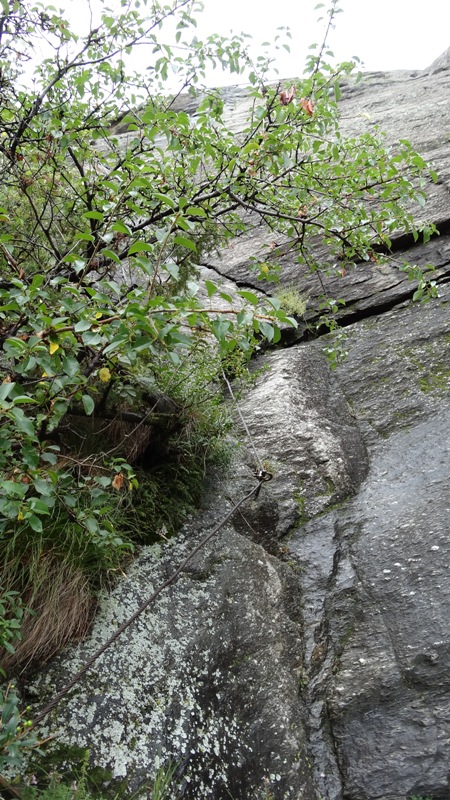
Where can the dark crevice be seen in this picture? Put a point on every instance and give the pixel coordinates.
(406, 241)
(323, 743)
(308, 330)
(381, 306)
(239, 283)
(311, 328)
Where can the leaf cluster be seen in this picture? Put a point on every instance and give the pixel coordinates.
(113, 189)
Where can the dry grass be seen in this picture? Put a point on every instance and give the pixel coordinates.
(132, 440)
(61, 598)
(87, 444)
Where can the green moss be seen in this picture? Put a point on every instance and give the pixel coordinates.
(345, 638)
(300, 501)
(340, 645)
(404, 416)
(330, 508)
(330, 488)
(291, 301)
(436, 381)
(432, 363)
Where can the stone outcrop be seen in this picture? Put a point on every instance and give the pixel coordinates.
(306, 652)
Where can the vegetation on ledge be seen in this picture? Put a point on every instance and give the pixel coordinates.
(111, 344)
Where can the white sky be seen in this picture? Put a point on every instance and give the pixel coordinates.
(385, 34)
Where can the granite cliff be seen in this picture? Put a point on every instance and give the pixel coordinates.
(305, 652)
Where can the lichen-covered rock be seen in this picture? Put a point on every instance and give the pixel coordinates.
(306, 652)
(210, 676)
(206, 679)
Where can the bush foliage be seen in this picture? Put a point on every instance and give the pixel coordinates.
(110, 193)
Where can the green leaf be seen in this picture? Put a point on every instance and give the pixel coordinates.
(91, 338)
(274, 302)
(38, 506)
(35, 523)
(30, 456)
(195, 211)
(49, 458)
(139, 247)
(70, 366)
(23, 423)
(120, 227)
(225, 296)
(94, 215)
(184, 242)
(211, 288)
(422, 200)
(14, 489)
(267, 330)
(276, 335)
(91, 524)
(84, 237)
(5, 390)
(60, 407)
(111, 255)
(103, 480)
(165, 200)
(173, 270)
(249, 296)
(116, 343)
(88, 404)
(24, 399)
(43, 486)
(220, 327)
(82, 325)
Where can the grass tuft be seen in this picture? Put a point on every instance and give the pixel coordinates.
(57, 572)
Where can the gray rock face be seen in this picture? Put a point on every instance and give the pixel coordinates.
(207, 678)
(306, 652)
(376, 595)
(406, 105)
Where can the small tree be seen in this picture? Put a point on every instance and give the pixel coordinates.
(101, 233)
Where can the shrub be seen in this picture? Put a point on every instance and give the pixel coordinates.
(102, 234)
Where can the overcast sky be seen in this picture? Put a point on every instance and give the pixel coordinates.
(385, 34)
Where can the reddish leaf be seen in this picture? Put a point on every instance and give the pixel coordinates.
(287, 97)
(308, 105)
(118, 481)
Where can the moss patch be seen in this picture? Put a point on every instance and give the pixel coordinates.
(436, 381)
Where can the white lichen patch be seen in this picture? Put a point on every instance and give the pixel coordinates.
(166, 690)
(205, 679)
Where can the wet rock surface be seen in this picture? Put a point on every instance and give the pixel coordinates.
(375, 573)
(306, 652)
(207, 678)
